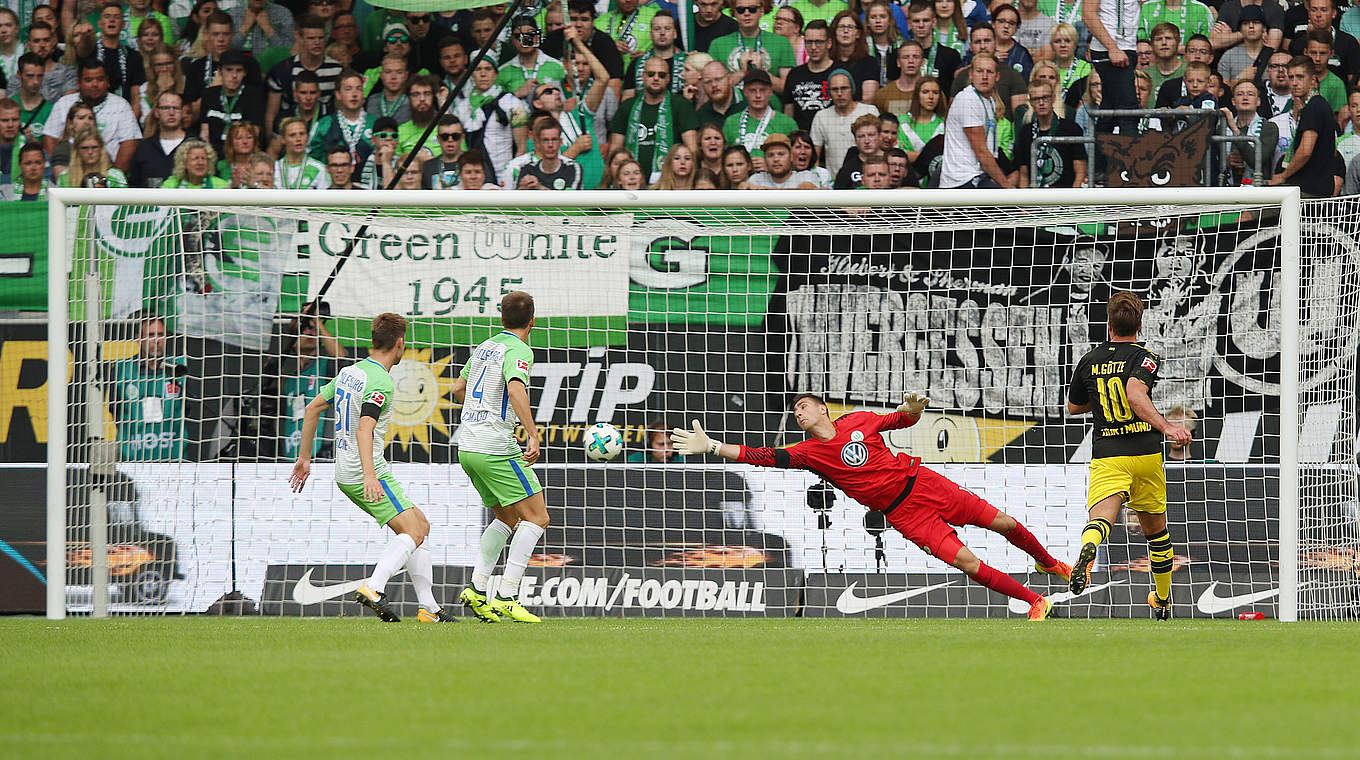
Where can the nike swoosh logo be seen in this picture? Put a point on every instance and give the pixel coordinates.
(848, 603)
(1019, 607)
(306, 592)
(1210, 603)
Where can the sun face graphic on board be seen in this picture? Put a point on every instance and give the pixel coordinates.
(422, 391)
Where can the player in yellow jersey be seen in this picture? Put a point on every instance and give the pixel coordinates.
(1114, 382)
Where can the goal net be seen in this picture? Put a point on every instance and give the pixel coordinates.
(187, 329)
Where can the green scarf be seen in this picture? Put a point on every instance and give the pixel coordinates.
(662, 134)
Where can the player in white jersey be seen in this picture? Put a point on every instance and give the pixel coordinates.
(494, 390)
(362, 396)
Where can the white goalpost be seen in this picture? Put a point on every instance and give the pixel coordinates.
(179, 347)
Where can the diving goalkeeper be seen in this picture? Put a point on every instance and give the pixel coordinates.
(920, 503)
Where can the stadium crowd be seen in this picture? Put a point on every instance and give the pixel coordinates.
(934, 93)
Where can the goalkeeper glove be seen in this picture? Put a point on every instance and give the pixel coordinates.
(913, 404)
(694, 441)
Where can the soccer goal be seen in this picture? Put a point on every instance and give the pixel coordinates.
(189, 329)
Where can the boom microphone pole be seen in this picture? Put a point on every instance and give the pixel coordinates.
(511, 12)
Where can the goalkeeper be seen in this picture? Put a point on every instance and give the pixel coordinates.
(920, 503)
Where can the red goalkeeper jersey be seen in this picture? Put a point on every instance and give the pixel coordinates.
(856, 460)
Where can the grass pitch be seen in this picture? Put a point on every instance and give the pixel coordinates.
(340, 688)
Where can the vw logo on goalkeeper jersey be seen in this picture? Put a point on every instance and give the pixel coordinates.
(854, 454)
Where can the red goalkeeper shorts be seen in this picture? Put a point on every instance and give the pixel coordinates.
(935, 505)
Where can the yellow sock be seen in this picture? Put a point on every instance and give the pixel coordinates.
(1161, 555)
(1095, 531)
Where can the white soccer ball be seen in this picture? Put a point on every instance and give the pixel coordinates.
(603, 442)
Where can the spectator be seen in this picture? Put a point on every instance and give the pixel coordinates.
(1227, 30)
(453, 61)
(472, 172)
(750, 47)
(311, 57)
(1144, 54)
(877, 174)
(340, 169)
(42, 44)
(1010, 87)
(193, 167)
(1308, 161)
(1275, 98)
(850, 51)
(629, 176)
(156, 33)
(895, 97)
(163, 75)
(1244, 119)
(723, 100)
(441, 172)
(379, 170)
(888, 127)
(1066, 105)
(1036, 27)
(612, 162)
(1012, 54)
(971, 132)
(627, 25)
(804, 157)
(581, 20)
(117, 124)
(940, 61)
(79, 116)
(1053, 165)
(496, 120)
(678, 171)
(736, 168)
(1090, 101)
(831, 127)
(408, 164)
(1197, 50)
(306, 105)
(345, 32)
(899, 169)
(925, 120)
(192, 41)
(122, 64)
(867, 143)
(296, 170)
(260, 25)
(788, 23)
(1114, 25)
(389, 98)
(882, 40)
(1321, 17)
(1248, 59)
(1350, 20)
(261, 171)
(650, 123)
(710, 23)
(31, 184)
(545, 168)
(311, 365)
(1191, 17)
(1348, 144)
(424, 41)
(90, 164)
(664, 35)
(1197, 93)
(758, 120)
(660, 450)
(11, 137)
(1319, 50)
(63, 78)
(202, 73)
(234, 100)
(146, 397)
(711, 145)
(420, 92)
(484, 22)
(239, 144)
(585, 129)
(950, 28)
(154, 159)
(806, 86)
(33, 109)
(349, 125)
(1166, 59)
(531, 66)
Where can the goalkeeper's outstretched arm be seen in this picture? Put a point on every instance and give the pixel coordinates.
(696, 441)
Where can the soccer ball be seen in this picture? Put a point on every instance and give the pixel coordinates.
(603, 442)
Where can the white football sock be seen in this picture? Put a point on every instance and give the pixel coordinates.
(421, 568)
(393, 559)
(521, 547)
(493, 540)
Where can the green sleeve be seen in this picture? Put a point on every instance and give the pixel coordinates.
(781, 52)
(683, 117)
(554, 72)
(721, 48)
(730, 126)
(782, 124)
(378, 390)
(1147, 18)
(518, 360)
(1333, 92)
(328, 390)
(316, 148)
(510, 78)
